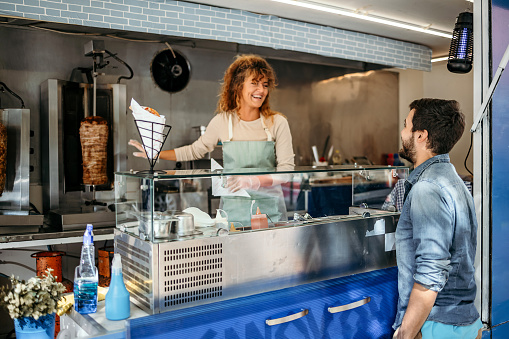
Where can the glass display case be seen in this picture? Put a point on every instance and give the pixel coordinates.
(194, 237)
(184, 204)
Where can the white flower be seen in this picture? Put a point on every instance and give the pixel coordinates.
(36, 297)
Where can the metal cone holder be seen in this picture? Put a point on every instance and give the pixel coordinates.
(156, 143)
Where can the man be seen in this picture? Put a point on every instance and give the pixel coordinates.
(437, 230)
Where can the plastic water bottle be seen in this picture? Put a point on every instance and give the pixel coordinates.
(86, 277)
(397, 161)
(117, 299)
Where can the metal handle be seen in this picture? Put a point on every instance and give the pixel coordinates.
(350, 306)
(288, 318)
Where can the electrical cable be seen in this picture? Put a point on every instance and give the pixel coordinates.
(90, 34)
(124, 63)
(129, 39)
(62, 32)
(2, 262)
(12, 93)
(468, 153)
(171, 49)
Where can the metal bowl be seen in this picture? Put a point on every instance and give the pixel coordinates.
(182, 224)
(161, 222)
(168, 225)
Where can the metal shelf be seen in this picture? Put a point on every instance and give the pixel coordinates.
(51, 238)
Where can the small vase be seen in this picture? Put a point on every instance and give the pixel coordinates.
(29, 328)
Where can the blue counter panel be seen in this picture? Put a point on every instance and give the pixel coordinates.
(500, 169)
(500, 332)
(246, 317)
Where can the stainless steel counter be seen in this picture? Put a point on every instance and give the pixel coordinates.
(51, 238)
(171, 275)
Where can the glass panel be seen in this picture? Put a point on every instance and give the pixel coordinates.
(159, 207)
(378, 189)
(196, 173)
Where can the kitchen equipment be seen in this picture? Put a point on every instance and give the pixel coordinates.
(315, 153)
(166, 276)
(161, 222)
(170, 70)
(168, 225)
(67, 202)
(15, 214)
(183, 225)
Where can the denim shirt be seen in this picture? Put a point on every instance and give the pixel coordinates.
(436, 240)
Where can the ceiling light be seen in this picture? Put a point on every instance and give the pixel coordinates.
(445, 58)
(368, 17)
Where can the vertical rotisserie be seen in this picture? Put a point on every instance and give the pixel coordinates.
(94, 140)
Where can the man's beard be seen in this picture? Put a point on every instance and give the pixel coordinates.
(407, 151)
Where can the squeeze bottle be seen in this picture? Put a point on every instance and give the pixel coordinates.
(86, 276)
(259, 220)
(117, 303)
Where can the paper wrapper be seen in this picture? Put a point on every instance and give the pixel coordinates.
(151, 134)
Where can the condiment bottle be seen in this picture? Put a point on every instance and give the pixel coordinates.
(336, 158)
(117, 305)
(220, 221)
(259, 220)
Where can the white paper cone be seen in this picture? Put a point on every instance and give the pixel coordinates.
(151, 134)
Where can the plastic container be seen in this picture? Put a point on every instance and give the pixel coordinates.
(104, 265)
(86, 277)
(336, 158)
(259, 220)
(220, 221)
(397, 161)
(117, 305)
(49, 259)
(390, 159)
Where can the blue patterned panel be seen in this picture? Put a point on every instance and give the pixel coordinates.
(246, 317)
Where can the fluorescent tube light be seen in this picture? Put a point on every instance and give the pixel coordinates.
(440, 59)
(367, 17)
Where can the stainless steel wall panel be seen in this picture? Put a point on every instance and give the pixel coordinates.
(15, 197)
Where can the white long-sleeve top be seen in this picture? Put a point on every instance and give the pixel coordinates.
(217, 130)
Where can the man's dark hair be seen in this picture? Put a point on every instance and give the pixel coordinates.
(442, 119)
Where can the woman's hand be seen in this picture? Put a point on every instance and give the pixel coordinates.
(236, 183)
(139, 146)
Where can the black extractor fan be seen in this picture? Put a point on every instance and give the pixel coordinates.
(170, 70)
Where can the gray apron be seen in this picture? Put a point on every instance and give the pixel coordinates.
(252, 154)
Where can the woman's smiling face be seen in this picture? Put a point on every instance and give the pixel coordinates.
(254, 91)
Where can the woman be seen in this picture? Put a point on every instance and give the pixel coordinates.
(252, 135)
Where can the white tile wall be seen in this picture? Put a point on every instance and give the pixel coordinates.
(179, 18)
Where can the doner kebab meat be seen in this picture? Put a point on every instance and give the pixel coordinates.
(94, 142)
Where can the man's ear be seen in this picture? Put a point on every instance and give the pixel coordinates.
(422, 136)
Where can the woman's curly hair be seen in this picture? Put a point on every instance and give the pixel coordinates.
(243, 67)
